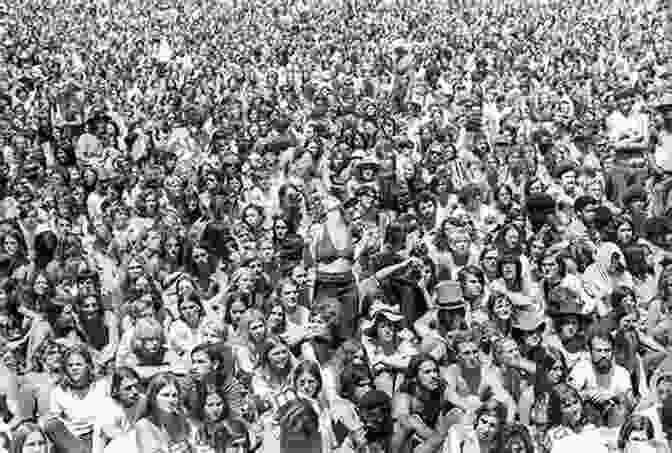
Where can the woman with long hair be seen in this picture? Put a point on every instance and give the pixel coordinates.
(164, 425)
(639, 258)
(187, 331)
(568, 423)
(30, 438)
(271, 380)
(101, 328)
(253, 334)
(75, 403)
(46, 374)
(417, 406)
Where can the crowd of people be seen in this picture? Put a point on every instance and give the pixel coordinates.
(337, 226)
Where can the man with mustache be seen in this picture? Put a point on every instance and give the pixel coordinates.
(601, 380)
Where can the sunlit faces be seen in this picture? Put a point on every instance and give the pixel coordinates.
(168, 399)
(190, 311)
(278, 356)
(257, 331)
(201, 364)
(77, 369)
(428, 375)
(89, 307)
(307, 385)
(568, 326)
(129, 392)
(214, 407)
(502, 308)
(289, 295)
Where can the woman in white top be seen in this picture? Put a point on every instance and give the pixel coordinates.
(75, 403)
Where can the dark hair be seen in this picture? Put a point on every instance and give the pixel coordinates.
(298, 418)
(517, 284)
(635, 257)
(351, 376)
(118, 376)
(310, 367)
(634, 423)
(600, 332)
(517, 432)
(558, 395)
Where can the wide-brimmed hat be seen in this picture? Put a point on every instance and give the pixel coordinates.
(380, 309)
(529, 320)
(449, 295)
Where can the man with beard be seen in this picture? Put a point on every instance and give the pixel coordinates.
(600, 380)
(468, 379)
(374, 437)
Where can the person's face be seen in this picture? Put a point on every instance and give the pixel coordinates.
(568, 181)
(252, 217)
(572, 410)
(246, 282)
(385, 330)
(549, 267)
(467, 354)
(11, 245)
(509, 271)
(503, 308)
(460, 243)
(280, 229)
(504, 196)
(41, 285)
(191, 312)
(428, 375)
(601, 354)
(509, 351)
(257, 331)
(289, 296)
(134, 270)
(512, 237)
(486, 427)
(89, 307)
(517, 445)
(276, 316)
(299, 276)
(151, 345)
(569, 327)
(307, 385)
(214, 406)
(278, 357)
(53, 359)
(664, 388)
(624, 233)
(77, 369)
(426, 209)
(121, 219)
(172, 247)
(201, 364)
(35, 442)
(129, 392)
(236, 311)
(151, 203)
(472, 286)
(167, 399)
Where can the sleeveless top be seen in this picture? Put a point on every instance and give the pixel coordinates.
(327, 252)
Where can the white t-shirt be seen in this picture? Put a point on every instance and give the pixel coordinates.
(583, 377)
(79, 414)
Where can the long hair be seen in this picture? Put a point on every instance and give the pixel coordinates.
(559, 396)
(21, 433)
(299, 426)
(177, 426)
(117, 378)
(83, 351)
(434, 401)
(311, 368)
